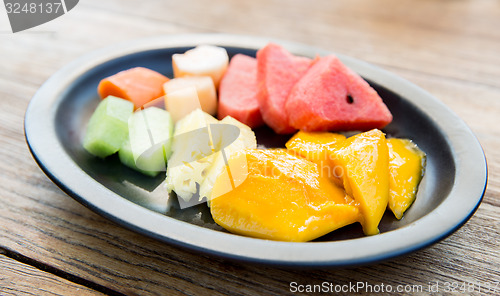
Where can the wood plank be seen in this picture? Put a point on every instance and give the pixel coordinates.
(451, 51)
(17, 278)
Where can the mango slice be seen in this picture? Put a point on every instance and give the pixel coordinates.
(406, 169)
(283, 197)
(363, 158)
(314, 146)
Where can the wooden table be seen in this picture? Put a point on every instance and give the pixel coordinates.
(49, 243)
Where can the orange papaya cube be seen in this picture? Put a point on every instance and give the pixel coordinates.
(138, 85)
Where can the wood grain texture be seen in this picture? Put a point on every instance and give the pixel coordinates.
(17, 278)
(450, 48)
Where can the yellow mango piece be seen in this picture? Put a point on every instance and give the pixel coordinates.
(363, 158)
(406, 169)
(313, 146)
(283, 197)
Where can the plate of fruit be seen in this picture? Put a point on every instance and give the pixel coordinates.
(257, 150)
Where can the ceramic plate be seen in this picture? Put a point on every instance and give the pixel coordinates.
(450, 192)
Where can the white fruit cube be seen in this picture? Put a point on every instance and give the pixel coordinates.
(203, 60)
(205, 89)
(181, 102)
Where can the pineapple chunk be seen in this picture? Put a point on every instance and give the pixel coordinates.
(245, 139)
(192, 154)
(197, 159)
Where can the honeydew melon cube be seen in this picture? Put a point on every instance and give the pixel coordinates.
(127, 158)
(108, 127)
(150, 139)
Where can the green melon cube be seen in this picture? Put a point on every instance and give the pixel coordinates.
(108, 127)
(150, 141)
(127, 158)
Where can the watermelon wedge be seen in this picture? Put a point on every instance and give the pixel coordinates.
(331, 97)
(238, 91)
(277, 72)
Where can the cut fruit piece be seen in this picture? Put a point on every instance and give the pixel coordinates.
(182, 102)
(314, 146)
(406, 169)
(150, 141)
(246, 139)
(332, 97)
(127, 158)
(108, 127)
(233, 174)
(277, 72)
(238, 91)
(138, 85)
(203, 60)
(282, 198)
(205, 90)
(363, 159)
(192, 154)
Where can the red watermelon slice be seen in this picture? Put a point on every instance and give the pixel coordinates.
(238, 91)
(332, 97)
(277, 72)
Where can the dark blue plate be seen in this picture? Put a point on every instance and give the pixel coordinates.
(450, 192)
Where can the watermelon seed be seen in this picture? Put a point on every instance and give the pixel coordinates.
(349, 99)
